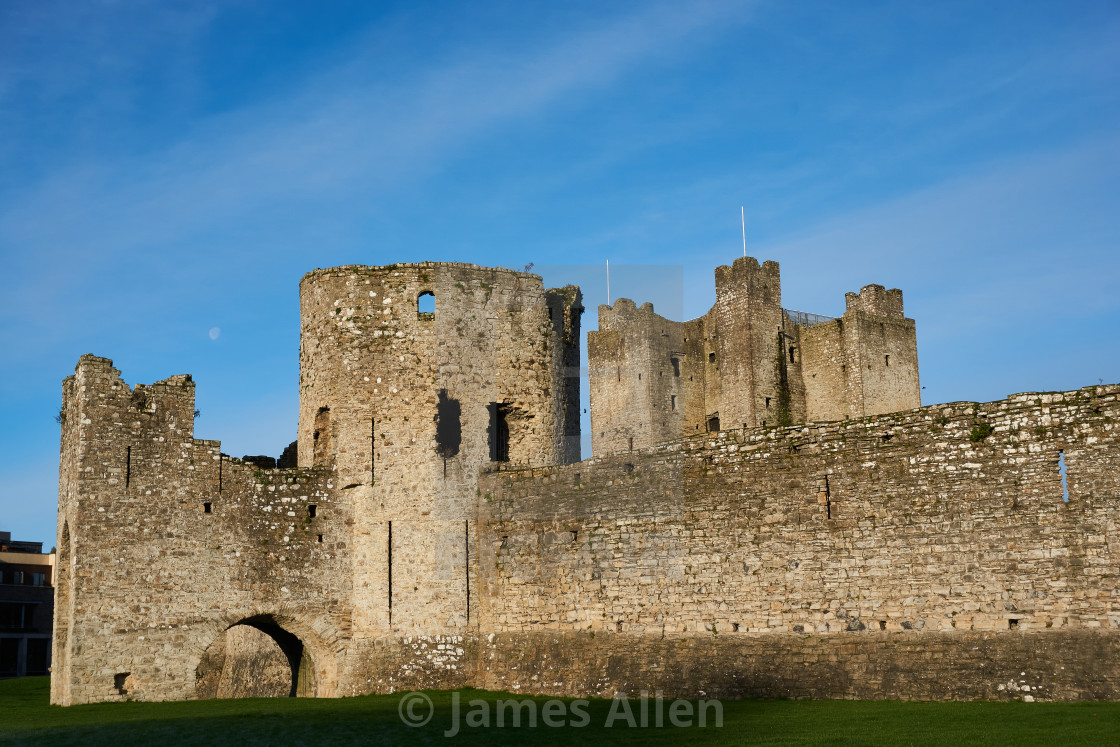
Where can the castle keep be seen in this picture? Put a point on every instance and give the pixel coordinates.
(746, 363)
(440, 532)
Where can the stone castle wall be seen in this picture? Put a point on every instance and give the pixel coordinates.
(882, 534)
(899, 522)
(928, 553)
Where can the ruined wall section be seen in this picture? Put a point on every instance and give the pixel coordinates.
(948, 518)
(866, 362)
(487, 362)
(170, 543)
(565, 307)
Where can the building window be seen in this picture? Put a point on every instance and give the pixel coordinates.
(449, 429)
(499, 432)
(676, 365)
(426, 305)
(673, 401)
(711, 357)
(792, 357)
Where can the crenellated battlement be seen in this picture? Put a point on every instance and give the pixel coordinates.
(877, 300)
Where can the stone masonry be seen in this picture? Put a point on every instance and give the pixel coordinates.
(439, 532)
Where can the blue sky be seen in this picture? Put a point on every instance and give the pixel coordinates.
(168, 168)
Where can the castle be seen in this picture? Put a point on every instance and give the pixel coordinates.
(768, 512)
(747, 361)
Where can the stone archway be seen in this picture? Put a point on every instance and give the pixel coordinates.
(256, 657)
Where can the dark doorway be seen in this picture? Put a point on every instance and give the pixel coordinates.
(713, 424)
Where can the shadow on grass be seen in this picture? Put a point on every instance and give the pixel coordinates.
(27, 718)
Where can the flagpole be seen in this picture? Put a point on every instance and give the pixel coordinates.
(743, 218)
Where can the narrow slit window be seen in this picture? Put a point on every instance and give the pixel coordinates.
(792, 354)
(1063, 473)
(673, 401)
(767, 403)
(827, 499)
(426, 304)
(311, 510)
(389, 550)
(630, 442)
(887, 361)
(320, 538)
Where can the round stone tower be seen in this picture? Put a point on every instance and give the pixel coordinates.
(413, 379)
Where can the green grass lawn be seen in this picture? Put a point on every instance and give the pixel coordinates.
(26, 718)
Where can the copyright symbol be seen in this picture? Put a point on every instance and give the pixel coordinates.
(415, 709)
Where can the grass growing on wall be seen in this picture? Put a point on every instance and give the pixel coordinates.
(373, 719)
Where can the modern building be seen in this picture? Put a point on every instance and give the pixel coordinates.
(26, 607)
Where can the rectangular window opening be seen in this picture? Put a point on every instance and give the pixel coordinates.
(882, 625)
(1012, 624)
(311, 508)
(320, 538)
(887, 360)
(499, 432)
(673, 401)
(206, 508)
